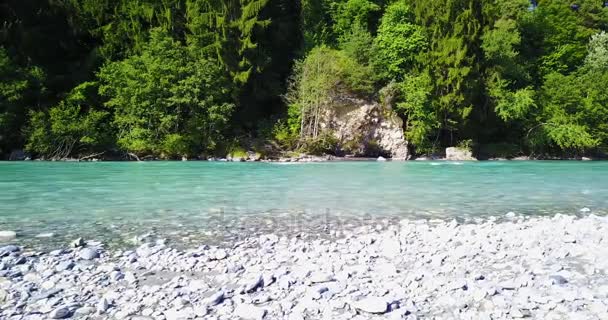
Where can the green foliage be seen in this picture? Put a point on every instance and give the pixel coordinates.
(16, 84)
(422, 120)
(566, 32)
(316, 23)
(354, 14)
(182, 77)
(466, 144)
(398, 43)
(575, 113)
(597, 58)
(358, 45)
(454, 28)
(324, 143)
(166, 100)
(323, 78)
(72, 128)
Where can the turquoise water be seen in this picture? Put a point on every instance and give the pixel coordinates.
(197, 201)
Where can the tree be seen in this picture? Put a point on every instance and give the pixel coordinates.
(452, 60)
(74, 127)
(16, 84)
(167, 100)
(398, 43)
(323, 78)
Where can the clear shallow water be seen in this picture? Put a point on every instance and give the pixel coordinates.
(198, 201)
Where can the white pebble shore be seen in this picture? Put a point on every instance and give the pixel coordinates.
(538, 268)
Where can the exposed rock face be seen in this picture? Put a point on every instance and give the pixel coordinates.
(458, 154)
(366, 128)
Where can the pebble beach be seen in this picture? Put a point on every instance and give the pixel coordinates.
(501, 268)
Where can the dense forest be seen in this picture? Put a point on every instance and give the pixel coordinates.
(195, 78)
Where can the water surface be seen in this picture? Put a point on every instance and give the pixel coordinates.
(188, 201)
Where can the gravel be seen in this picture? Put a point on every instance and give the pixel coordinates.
(505, 268)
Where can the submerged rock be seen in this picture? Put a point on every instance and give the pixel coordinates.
(8, 235)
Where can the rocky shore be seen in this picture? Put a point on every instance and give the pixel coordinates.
(510, 267)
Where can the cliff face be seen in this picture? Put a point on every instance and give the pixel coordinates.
(365, 128)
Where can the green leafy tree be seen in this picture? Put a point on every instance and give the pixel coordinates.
(574, 114)
(351, 14)
(452, 60)
(74, 127)
(398, 43)
(320, 81)
(166, 100)
(16, 84)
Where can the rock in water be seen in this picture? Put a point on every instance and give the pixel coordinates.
(371, 305)
(381, 159)
(8, 235)
(61, 312)
(89, 254)
(246, 311)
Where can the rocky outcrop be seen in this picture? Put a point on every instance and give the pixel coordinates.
(365, 128)
(459, 154)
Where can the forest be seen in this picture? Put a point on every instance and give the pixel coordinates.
(201, 78)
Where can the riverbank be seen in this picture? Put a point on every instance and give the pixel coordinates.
(514, 267)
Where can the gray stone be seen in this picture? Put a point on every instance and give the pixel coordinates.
(77, 243)
(371, 305)
(558, 279)
(220, 254)
(367, 127)
(88, 254)
(320, 277)
(8, 235)
(246, 311)
(9, 249)
(61, 312)
(252, 284)
(102, 305)
(458, 154)
(65, 265)
(46, 294)
(216, 298)
(84, 311)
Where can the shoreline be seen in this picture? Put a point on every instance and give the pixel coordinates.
(539, 267)
(320, 159)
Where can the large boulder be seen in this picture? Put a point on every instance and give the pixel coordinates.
(366, 128)
(459, 154)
